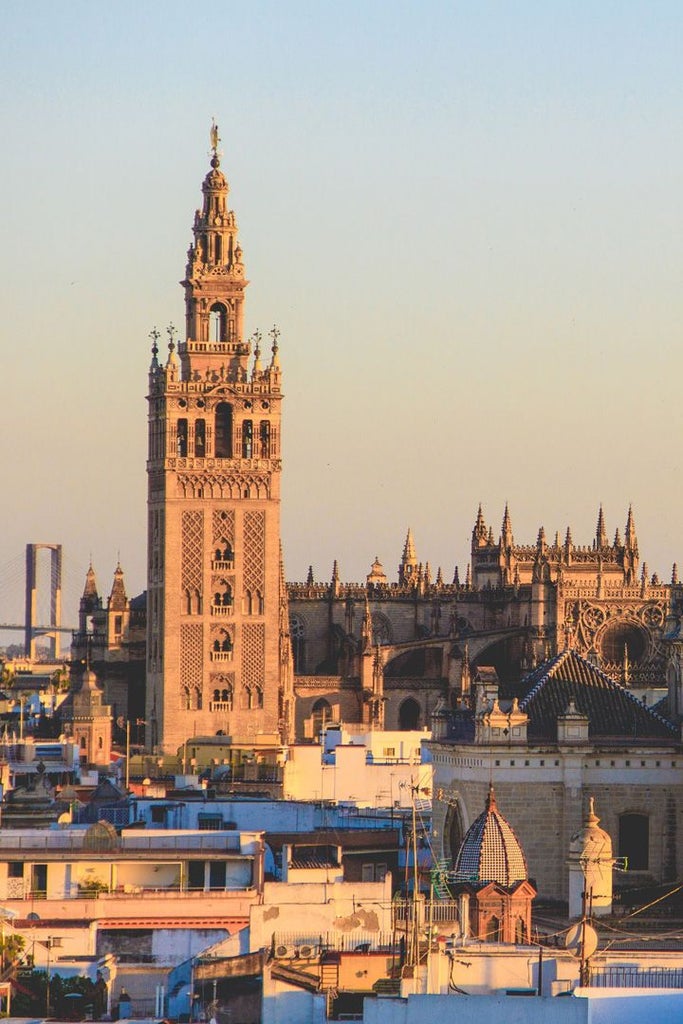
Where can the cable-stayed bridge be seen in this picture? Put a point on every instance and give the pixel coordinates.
(40, 575)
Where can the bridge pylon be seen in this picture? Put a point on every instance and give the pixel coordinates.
(30, 621)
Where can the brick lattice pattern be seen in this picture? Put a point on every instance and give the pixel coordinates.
(253, 640)
(224, 525)
(254, 544)
(192, 550)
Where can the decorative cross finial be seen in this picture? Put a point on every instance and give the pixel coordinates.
(154, 335)
(257, 336)
(275, 334)
(171, 331)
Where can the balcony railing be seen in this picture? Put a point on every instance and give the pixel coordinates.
(127, 892)
(220, 705)
(222, 609)
(221, 655)
(223, 565)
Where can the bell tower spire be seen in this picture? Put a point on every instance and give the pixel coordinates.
(215, 639)
(214, 285)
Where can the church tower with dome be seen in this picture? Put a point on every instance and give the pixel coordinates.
(491, 880)
(216, 629)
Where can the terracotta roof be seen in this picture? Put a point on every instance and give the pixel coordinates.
(612, 710)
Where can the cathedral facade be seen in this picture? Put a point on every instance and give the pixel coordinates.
(404, 645)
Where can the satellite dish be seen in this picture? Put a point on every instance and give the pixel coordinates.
(33, 916)
(581, 935)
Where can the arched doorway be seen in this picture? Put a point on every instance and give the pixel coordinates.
(409, 715)
(321, 715)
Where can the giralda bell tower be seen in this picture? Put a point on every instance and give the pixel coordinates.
(217, 649)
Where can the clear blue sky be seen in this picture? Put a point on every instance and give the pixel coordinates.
(464, 217)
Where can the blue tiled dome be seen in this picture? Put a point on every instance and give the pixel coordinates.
(490, 851)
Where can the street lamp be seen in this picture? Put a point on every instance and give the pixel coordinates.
(50, 943)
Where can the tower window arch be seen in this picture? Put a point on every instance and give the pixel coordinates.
(224, 697)
(265, 439)
(200, 438)
(224, 552)
(223, 430)
(247, 439)
(218, 322)
(222, 595)
(181, 438)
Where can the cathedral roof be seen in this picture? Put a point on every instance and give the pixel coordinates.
(117, 598)
(612, 710)
(491, 851)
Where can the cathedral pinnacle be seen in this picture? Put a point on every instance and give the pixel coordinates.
(506, 538)
(600, 532)
(631, 538)
(409, 548)
(479, 533)
(117, 598)
(90, 588)
(407, 570)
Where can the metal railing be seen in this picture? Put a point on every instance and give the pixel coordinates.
(634, 977)
(359, 942)
(140, 842)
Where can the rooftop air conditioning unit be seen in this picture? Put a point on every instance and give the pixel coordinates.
(284, 952)
(307, 951)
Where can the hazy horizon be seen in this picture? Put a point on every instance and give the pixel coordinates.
(465, 219)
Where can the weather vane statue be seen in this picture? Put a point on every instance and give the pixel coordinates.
(214, 137)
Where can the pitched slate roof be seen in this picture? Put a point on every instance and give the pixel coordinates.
(612, 710)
